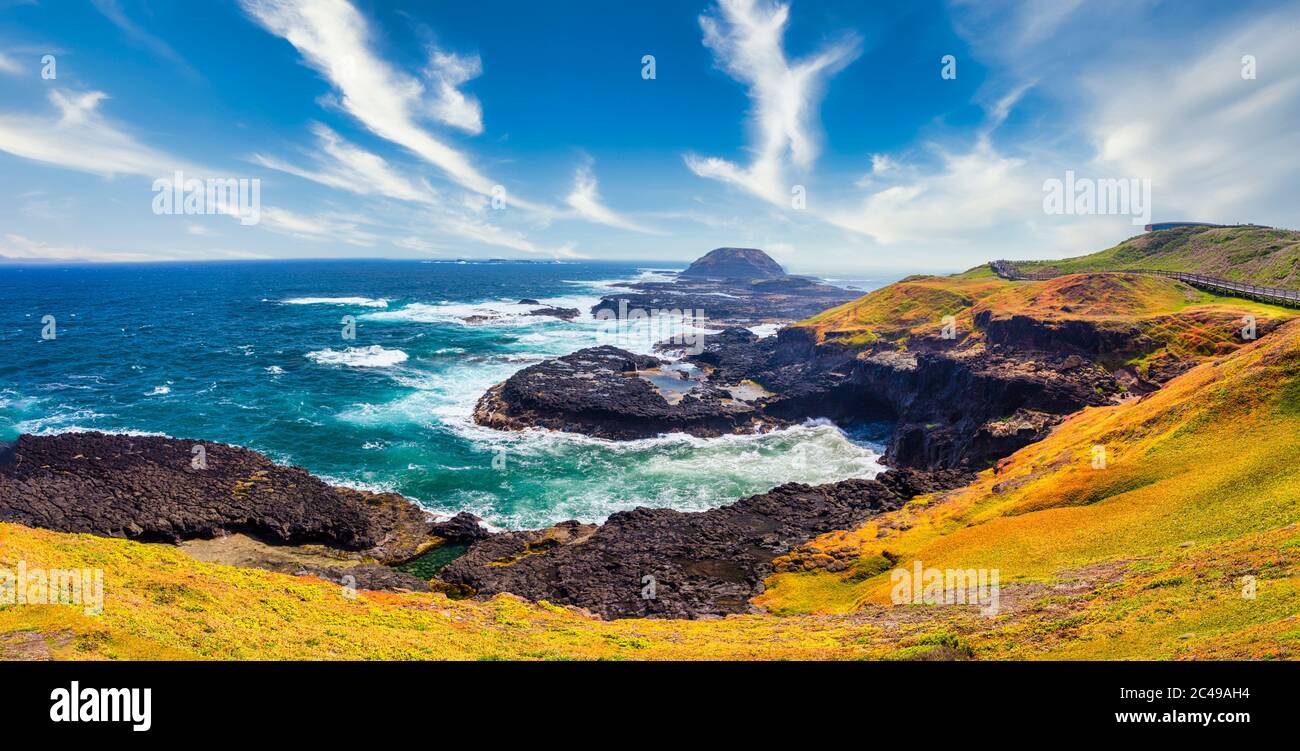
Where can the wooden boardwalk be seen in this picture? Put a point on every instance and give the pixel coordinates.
(1273, 295)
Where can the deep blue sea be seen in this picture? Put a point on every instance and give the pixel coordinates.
(253, 354)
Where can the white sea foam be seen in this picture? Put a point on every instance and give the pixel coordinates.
(485, 313)
(674, 470)
(275, 370)
(160, 390)
(52, 426)
(368, 484)
(373, 356)
(362, 302)
(764, 330)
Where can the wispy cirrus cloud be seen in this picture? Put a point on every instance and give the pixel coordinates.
(958, 192)
(77, 136)
(14, 247)
(334, 39)
(747, 38)
(1218, 147)
(447, 72)
(965, 192)
(18, 247)
(9, 65)
(343, 166)
(585, 200)
(319, 227)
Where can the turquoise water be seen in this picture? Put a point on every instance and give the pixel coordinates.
(253, 354)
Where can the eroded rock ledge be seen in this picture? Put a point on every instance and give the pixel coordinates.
(148, 489)
(703, 564)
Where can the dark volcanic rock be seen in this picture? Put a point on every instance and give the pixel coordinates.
(971, 408)
(952, 406)
(567, 314)
(463, 527)
(726, 302)
(703, 564)
(735, 354)
(145, 488)
(600, 392)
(729, 286)
(735, 263)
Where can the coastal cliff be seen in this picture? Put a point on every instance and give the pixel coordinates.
(967, 369)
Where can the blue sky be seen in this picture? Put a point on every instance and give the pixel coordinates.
(381, 129)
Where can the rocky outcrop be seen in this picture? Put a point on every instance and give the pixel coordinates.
(969, 409)
(722, 303)
(742, 300)
(610, 393)
(156, 489)
(962, 407)
(671, 564)
(735, 263)
(565, 314)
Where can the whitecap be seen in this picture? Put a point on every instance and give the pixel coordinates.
(485, 313)
(363, 302)
(373, 356)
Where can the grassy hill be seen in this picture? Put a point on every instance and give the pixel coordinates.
(1166, 318)
(1199, 490)
(1254, 255)
(911, 307)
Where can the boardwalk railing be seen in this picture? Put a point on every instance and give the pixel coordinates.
(1274, 295)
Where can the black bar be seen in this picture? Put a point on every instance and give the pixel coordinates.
(307, 700)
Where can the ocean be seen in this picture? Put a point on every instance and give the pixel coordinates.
(254, 354)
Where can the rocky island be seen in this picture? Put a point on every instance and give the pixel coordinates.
(732, 286)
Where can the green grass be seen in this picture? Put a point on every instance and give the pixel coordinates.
(1254, 255)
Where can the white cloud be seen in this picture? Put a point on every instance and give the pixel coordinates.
(1010, 27)
(747, 40)
(585, 200)
(447, 71)
(18, 247)
(967, 191)
(317, 227)
(333, 38)
(80, 138)
(417, 243)
(470, 227)
(9, 65)
(1217, 147)
(344, 166)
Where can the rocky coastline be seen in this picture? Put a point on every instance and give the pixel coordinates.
(952, 407)
(156, 489)
(958, 403)
(243, 509)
